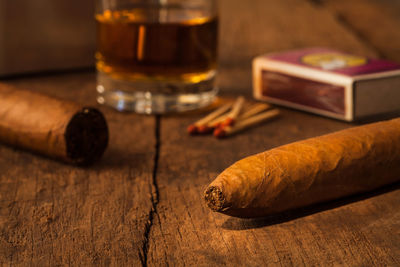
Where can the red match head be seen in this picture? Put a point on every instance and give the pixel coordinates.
(219, 133)
(192, 129)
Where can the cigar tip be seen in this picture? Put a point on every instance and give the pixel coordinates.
(192, 129)
(219, 133)
(204, 129)
(214, 198)
(86, 136)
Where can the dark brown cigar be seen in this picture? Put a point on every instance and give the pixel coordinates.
(52, 127)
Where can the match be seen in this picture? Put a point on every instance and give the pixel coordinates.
(245, 124)
(194, 128)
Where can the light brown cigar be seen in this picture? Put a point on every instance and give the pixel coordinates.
(311, 171)
(245, 123)
(52, 127)
(194, 128)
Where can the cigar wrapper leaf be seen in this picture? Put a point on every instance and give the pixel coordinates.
(52, 127)
(315, 170)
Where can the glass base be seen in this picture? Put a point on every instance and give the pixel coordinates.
(154, 97)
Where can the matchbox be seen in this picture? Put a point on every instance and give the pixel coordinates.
(328, 82)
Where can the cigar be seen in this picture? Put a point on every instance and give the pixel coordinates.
(225, 131)
(52, 127)
(199, 126)
(315, 170)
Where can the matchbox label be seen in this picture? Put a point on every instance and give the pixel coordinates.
(335, 61)
(303, 92)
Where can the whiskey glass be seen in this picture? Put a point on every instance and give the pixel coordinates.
(156, 56)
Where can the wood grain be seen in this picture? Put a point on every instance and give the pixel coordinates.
(248, 30)
(142, 204)
(358, 231)
(374, 22)
(46, 36)
(251, 29)
(57, 214)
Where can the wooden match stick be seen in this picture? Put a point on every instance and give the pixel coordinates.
(234, 114)
(215, 123)
(226, 119)
(209, 127)
(194, 128)
(247, 123)
(253, 110)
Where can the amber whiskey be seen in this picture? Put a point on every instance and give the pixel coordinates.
(156, 44)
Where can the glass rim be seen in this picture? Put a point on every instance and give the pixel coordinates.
(186, 4)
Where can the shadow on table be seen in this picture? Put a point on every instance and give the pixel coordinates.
(379, 117)
(245, 224)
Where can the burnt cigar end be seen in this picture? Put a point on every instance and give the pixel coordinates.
(86, 137)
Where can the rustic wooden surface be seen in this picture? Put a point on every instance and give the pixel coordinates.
(52, 213)
(142, 204)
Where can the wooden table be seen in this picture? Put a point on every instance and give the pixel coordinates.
(142, 203)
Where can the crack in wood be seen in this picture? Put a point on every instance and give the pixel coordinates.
(154, 195)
